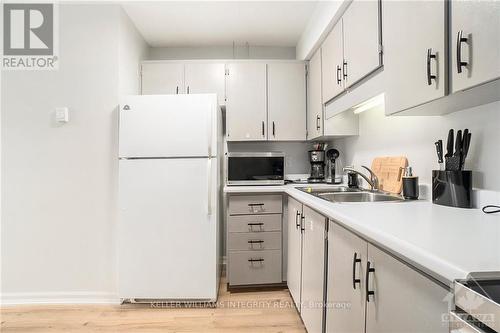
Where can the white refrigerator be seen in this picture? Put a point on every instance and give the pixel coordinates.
(169, 196)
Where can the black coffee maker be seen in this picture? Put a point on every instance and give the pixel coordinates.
(317, 160)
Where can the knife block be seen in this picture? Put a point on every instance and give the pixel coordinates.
(452, 188)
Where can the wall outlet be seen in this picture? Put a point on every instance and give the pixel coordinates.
(62, 115)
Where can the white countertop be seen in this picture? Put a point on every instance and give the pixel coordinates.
(446, 243)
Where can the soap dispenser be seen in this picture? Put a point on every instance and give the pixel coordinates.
(410, 185)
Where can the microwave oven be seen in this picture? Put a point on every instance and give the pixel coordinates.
(255, 168)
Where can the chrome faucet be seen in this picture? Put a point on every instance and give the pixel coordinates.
(372, 181)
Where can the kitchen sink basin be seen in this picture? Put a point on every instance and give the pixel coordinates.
(328, 190)
(359, 197)
(346, 194)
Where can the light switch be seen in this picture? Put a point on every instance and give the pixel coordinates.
(62, 115)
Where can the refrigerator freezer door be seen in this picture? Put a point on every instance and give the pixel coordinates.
(168, 126)
(168, 229)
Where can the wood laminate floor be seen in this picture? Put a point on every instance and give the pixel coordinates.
(262, 312)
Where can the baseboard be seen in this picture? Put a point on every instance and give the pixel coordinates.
(9, 299)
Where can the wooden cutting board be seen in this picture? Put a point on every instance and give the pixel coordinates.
(390, 171)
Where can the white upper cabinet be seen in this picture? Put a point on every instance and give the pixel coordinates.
(203, 78)
(475, 43)
(314, 98)
(286, 101)
(162, 78)
(361, 32)
(414, 53)
(332, 59)
(246, 104)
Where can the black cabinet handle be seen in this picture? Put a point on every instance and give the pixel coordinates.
(430, 56)
(263, 128)
(177, 90)
(369, 292)
(188, 89)
(318, 121)
(354, 262)
(256, 260)
(297, 223)
(344, 69)
(302, 222)
(256, 223)
(274, 129)
(255, 204)
(255, 241)
(339, 79)
(460, 40)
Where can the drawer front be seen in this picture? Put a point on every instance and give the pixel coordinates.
(254, 223)
(255, 204)
(251, 241)
(254, 267)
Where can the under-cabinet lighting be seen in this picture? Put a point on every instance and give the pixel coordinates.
(369, 104)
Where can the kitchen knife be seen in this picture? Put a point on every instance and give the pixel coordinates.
(458, 144)
(449, 144)
(439, 151)
(449, 149)
(454, 162)
(464, 146)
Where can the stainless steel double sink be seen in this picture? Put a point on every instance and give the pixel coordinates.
(346, 194)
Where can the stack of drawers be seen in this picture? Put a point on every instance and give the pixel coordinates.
(254, 239)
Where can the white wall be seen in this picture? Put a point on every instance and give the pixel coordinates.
(414, 137)
(132, 48)
(59, 181)
(221, 52)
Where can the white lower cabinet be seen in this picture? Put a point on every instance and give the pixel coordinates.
(294, 261)
(371, 291)
(313, 270)
(404, 300)
(347, 255)
(306, 263)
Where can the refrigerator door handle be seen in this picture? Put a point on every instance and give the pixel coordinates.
(210, 128)
(209, 180)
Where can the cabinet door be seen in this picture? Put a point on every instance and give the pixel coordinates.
(162, 78)
(479, 23)
(286, 101)
(414, 53)
(314, 98)
(246, 112)
(294, 261)
(313, 269)
(361, 26)
(347, 255)
(206, 78)
(332, 58)
(403, 300)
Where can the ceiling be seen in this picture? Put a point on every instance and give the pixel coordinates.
(218, 23)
